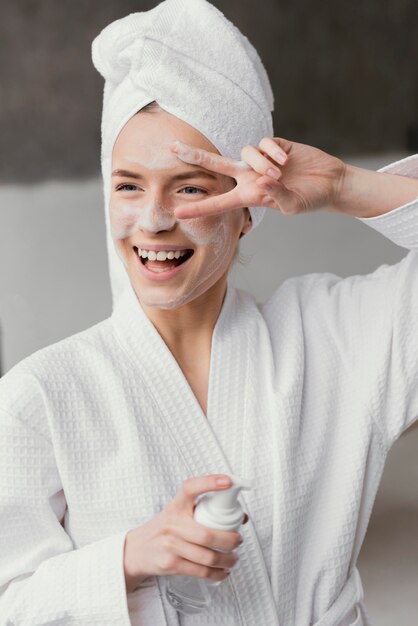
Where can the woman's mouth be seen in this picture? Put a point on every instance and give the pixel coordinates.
(162, 264)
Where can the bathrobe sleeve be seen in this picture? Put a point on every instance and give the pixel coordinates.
(372, 321)
(43, 579)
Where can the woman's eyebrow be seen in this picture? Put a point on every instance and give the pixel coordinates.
(182, 176)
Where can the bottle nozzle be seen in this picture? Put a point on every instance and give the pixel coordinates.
(227, 498)
(224, 503)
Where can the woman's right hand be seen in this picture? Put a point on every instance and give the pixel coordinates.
(174, 543)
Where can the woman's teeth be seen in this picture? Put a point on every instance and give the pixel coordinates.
(163, 260)
(161, 255)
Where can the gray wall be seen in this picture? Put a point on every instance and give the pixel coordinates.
(343, 73)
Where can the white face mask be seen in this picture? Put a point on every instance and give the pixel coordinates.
(126, 219)
(212, 240)
(143, 213)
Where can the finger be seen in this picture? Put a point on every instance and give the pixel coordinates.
(266, 182)
(202, 555)
(208, 160)
(193, 487)
(259, 162)
(189, 530)
(183, 567)
(286, 201)
(269, 146)
(284, 144)
(211, 206)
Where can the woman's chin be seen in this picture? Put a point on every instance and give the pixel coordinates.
(165, 306)
(171, 297)
(166, 302)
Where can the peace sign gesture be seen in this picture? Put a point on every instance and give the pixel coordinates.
(283, 175)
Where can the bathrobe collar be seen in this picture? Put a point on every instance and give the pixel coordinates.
(202, 441)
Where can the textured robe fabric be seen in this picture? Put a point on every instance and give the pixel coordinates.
(307, 394)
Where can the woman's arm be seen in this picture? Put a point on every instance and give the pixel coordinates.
(306, 179)
(371, 320)
(43, 579)
(365, 193)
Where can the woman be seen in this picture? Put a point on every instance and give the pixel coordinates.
(111, 434)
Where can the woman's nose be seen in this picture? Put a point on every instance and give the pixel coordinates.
(155, 218)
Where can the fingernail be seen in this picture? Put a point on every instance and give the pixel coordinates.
(280, 157)
(265, 186)
(223, 481)
(273, 173)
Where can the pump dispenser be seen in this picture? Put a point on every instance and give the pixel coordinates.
(215, 509)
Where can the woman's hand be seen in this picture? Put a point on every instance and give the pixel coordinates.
(174, 543)
(283, 175)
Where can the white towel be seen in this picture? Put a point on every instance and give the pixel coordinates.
(199, 67)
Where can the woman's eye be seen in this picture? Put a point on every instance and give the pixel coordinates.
(189, 190)
(125, 186)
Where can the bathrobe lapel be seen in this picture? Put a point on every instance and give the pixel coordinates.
(212, 444)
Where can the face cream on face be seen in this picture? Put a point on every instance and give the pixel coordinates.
(126, 219)
(211, 239)
(154, 158)
(213, 250)
(142, 213)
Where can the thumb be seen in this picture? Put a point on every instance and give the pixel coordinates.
(285, 144)
(194, 487)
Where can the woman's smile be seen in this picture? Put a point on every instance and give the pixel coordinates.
(162, 264)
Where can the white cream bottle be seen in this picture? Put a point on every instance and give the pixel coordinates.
(215, 509)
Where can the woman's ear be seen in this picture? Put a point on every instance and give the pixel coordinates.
(247, 223)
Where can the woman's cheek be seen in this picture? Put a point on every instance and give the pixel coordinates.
(213, 231)
(123, 218)
(214, 236)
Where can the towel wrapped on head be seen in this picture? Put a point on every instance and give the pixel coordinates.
(191, 60)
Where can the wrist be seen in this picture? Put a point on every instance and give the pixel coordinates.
(366, 193)
(132, 579)
(353, 191)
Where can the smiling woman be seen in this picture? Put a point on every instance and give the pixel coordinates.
(148, 183)
(110, 436)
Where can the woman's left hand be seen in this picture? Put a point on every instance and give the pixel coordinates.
(283, 175)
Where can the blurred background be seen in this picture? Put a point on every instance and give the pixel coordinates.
(345, 80)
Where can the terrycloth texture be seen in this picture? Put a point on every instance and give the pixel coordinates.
(198, 66)
(307, 394)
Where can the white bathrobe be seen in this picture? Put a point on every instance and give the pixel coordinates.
(307, 393)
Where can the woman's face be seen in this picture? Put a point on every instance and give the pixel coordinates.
(148, 183)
